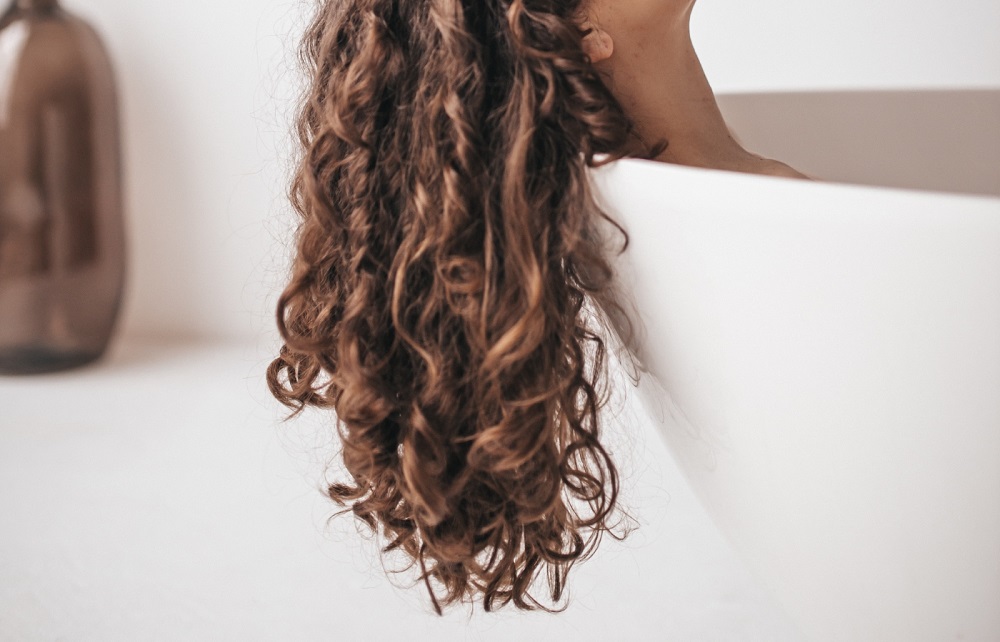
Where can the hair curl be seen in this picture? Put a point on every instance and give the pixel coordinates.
(444, 255)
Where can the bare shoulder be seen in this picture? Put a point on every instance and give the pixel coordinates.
(777, 168)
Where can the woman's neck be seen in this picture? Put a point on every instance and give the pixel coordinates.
(659, 80)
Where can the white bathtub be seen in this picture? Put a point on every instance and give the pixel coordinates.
(826, 356)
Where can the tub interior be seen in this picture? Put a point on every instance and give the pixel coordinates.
(939, 140)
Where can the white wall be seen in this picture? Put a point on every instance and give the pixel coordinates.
(206, 90)
(756, 45)
(207, 96)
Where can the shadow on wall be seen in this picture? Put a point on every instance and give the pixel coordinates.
(907, 139)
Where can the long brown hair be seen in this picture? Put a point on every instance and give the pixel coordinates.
(444, 257)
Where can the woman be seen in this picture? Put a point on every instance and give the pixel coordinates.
(445, 255)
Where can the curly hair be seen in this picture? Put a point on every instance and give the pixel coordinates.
(445, 252)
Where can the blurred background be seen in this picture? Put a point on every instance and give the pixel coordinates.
(157, 495)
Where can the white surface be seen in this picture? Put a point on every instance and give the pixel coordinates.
(156, 496)
(771, 45)
(206, 90)
(831, 360)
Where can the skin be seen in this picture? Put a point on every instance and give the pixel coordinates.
(643, 49)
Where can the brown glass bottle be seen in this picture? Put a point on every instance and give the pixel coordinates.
(62, 236)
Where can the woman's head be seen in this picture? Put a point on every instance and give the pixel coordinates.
(445, 254)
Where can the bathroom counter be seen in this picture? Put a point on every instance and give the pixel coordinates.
(157, 495)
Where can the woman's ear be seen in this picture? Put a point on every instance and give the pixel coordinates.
(597, 44)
